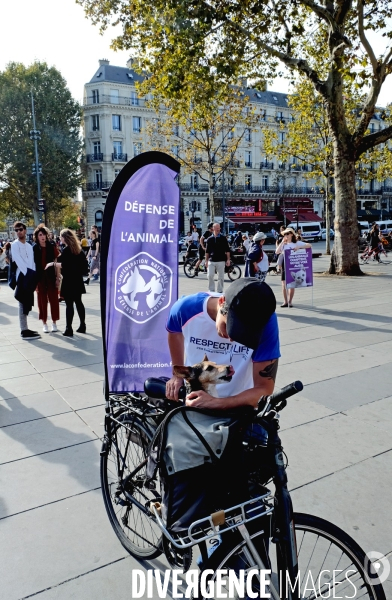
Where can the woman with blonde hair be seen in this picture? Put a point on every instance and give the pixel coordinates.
(289, 241)
(74, 266)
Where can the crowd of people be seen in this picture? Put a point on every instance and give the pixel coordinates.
(57, 269)
(216, 249)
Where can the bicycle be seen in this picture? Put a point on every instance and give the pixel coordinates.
(242, 534)
(233, 271)
(374, 254)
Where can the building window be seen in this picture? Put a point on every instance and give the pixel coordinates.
(95, 94)
(116, 172)
(264, 182)
(117, 148)
(176, 130)
(279, 117)
(248, 182)
(98, 178)
(248, 159)
(96, 149)
(137, 149)
(116, 122)
(248, 135)
(137, 124)
(282, 136)
(230, 135)
(176, 150)
(231, 183)
(194, 181)
(134, 99)
(95, 122)
(98, 219)
(114, 96)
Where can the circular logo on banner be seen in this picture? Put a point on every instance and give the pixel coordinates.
(143, 287)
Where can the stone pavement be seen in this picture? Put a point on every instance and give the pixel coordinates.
(55, 538)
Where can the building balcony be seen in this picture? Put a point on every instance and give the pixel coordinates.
(96, 157)
(120, 101)
(266, 165)
(92, 186)
(373, 192)
(120, 157)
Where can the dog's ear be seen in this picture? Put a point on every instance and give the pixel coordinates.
(182, 371)
(205, 359)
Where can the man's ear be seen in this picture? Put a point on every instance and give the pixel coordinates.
(182, 371)
(221, 300)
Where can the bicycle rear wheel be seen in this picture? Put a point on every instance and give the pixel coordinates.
(322, 549)
(123, 466)
(189, 268)
(234, 272)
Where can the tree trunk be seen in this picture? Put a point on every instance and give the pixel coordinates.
(327, 219)
(211, 201)
(344, 258)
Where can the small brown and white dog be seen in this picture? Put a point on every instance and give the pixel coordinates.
(205, 375)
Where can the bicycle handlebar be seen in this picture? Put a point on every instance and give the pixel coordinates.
(283, 394)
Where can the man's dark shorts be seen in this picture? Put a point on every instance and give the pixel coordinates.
(202, 253)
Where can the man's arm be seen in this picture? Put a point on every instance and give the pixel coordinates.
(176, 348)
(264, 375)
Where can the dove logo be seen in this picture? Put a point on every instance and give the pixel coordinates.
(143, 287)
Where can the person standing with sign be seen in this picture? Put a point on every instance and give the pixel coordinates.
(217, 256)
(289, 241)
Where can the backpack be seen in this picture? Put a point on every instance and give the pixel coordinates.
(199, 455)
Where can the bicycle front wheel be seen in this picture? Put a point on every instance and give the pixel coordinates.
(189, 268)
(330, 562)
(123, 469)
(234, 272)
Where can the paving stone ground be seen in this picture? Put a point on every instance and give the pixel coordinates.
(55, 539)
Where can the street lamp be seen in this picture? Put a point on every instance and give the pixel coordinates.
(35, 135)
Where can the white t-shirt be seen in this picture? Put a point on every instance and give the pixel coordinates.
(189, 316)
(23, 255)
(195, 236)
(263, 264)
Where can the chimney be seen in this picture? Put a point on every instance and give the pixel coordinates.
(130, 62)
(103, 61)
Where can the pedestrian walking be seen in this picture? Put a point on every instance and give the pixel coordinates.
(289, 241)
(73, 267)
(202, 246)
(45, 251)
(217, 257)
(23, 278)
(93, 255)
(257, 259)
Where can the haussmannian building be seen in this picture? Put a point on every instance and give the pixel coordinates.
(260, 191)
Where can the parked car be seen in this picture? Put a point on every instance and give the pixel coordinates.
(324, 234)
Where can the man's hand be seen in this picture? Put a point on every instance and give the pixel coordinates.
(201, 399)
(173, 386)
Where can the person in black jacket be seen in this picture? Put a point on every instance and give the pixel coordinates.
(73, 266)
(48, 281)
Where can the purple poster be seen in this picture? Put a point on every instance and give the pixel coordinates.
(140, 256)
(298, 267)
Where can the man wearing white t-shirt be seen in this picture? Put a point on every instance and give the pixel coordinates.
(238, 329)
(23, 256)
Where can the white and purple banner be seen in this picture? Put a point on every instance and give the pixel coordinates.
(298, 267)
(139, 270)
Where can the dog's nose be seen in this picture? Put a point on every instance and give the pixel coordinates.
(230, 370)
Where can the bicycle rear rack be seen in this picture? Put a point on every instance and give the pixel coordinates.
(216, 523)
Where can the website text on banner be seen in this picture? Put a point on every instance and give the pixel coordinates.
(141, 272)
(299, 268)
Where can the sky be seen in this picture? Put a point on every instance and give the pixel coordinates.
(56, 31)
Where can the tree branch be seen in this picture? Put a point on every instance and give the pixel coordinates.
(321, 12)
(365, 41)
(373, 139)
(343, 7)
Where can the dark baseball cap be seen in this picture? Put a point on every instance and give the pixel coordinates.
(251, 303)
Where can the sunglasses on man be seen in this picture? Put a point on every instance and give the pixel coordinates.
(19, 229)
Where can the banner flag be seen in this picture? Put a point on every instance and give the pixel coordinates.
(298, 266)
(139, 270)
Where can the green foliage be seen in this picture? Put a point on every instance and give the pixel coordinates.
(58, 118)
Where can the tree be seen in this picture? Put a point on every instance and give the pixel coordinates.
(58, 118)
(203, 137)
(179, 41)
